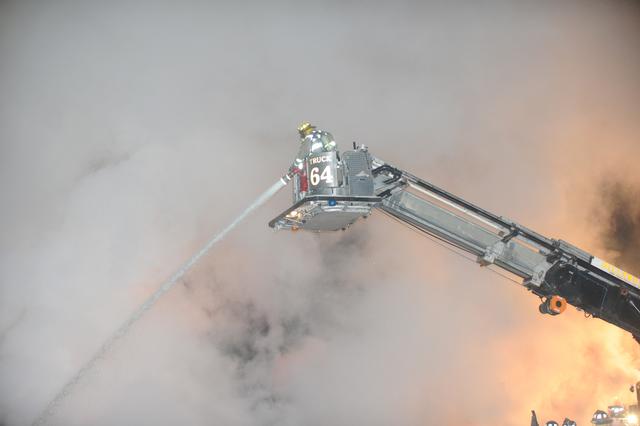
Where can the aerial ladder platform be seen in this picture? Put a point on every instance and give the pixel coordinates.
(332, 190)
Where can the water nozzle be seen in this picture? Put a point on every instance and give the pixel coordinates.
(286, 178)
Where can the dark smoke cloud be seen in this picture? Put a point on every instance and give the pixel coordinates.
(619, 215)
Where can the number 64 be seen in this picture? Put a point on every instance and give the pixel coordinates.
(315, 176)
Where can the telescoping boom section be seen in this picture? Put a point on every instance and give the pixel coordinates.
(332, 190)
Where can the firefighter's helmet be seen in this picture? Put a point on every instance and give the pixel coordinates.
(305, 128)
(601, 418)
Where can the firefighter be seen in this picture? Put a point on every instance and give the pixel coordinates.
(312, 141)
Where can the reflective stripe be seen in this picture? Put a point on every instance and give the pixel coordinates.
(616, 272)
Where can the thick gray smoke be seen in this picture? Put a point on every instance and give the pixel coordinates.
(131, 131)
(150, 302)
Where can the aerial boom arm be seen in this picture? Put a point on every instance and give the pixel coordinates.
(555, 270)
(331, 191)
